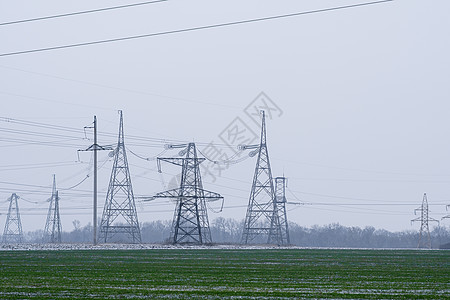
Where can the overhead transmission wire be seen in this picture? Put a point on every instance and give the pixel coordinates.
(156, 141)
(96, 84)
(81, 12)
(76, 185)
(378, 201)
(35, 133)
(49, 165)
(147, 141)
(11, 142)
(343, 205)
(152, 158)
(41, 125)
(37, 165)
(338, 205)
(229, 161)
(197, 28)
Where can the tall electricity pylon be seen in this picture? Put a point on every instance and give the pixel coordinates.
(424, 220)
(190, 221)
(13, 226)
(280, 207)
(52, 230)
(119, 221)
(262, 217)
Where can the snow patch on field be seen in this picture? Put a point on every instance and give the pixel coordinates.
(7, 247)
(80, 246)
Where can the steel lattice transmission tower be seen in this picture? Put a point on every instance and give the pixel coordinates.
(262, 217)
(424, 219)
(13, 226)
(52, 230)
(190, 221)
(120, 221)
(280, 206)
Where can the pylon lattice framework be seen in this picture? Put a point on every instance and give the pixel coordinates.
(424, 219)
(13, 226)
(190, 221)
(262, 217)
(52, 230)
(280, 206)
(119, 220)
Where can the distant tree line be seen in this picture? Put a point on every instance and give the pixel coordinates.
(229, 231)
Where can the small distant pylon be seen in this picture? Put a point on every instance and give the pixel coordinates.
(280, 207)
(424, 219)
(13, 226)
(120, 221)
(262, 217)
(190, 221)
(52, 230)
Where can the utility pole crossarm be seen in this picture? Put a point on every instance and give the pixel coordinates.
(96, 147)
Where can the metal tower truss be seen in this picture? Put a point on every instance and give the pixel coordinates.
(13, 226)
(262, 217)
(119, 221)
(190, 221)
(424, 219)
(280, 207)
(52, 230)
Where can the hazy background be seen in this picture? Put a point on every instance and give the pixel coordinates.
(363, 95)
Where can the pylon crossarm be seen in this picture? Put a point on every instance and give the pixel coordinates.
(211, 196)
(174, 193)
(174, 161)
(179, 161)
(416, 220)
(175, 146)
(247, 147)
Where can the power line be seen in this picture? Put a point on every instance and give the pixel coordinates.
(105, 86)
(49, 165)
(80, 12)
(41, 125)
(144, 141)
(193, 28)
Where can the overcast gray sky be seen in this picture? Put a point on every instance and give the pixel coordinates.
(362, 97)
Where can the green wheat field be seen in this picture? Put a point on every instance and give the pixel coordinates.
(225, 274)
